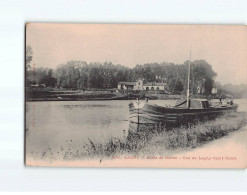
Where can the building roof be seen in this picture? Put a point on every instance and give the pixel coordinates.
(127, 83)
(154, 84)
(146, 84)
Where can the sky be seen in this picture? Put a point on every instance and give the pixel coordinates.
(224, 47)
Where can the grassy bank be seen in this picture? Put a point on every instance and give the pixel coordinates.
(158, 140)
(70, 95)
(53, 94)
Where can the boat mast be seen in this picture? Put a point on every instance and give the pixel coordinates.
(188, 87)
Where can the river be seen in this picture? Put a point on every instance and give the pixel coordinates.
(58, 125)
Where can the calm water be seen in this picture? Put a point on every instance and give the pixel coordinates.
(70, 123)
(54, 124)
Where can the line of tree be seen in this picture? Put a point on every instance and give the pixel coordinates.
(82, 75)
(35, 75)
(79, 75)
(41, 76)
(228, 90)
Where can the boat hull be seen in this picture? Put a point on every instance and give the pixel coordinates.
(170, 116)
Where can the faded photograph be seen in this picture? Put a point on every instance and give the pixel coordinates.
(136, 95)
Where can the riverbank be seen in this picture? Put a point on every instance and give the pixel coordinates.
(70, 95)
(52, 94)
(158, 140)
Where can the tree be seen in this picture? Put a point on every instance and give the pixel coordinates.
(48, 79)
(179, 86)
(29, 56)
(176, 86)
(202, 75)
(79, 74)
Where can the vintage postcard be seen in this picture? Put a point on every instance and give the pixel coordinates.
(136, 95)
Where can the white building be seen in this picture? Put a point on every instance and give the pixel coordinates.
(214, 90)
(154, 86)
(138, 85)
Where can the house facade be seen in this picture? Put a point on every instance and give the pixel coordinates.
(138, 85)
(151, 86)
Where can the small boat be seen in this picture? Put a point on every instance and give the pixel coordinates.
(184, 111)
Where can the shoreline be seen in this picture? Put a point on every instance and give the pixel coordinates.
(52, 94)
(158, 142)
(95, 99)
(94, 95)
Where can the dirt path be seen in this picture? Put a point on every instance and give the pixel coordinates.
(226, 152)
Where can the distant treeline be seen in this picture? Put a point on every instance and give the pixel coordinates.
(236, 91)
(81, 75)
